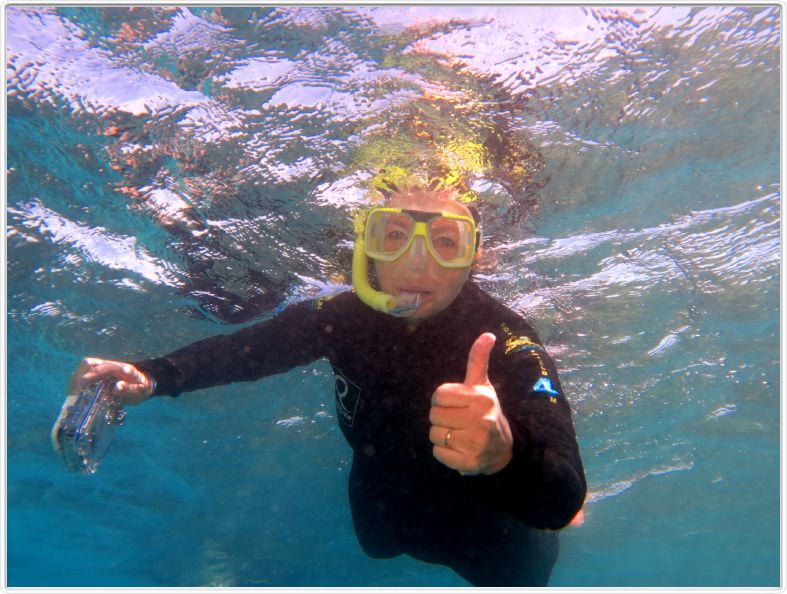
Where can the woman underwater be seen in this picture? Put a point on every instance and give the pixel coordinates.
(464, 452)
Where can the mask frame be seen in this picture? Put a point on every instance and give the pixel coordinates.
(379, 300)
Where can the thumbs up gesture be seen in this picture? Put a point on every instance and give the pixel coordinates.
(469, 431)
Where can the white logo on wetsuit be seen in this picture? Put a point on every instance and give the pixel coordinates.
(342, 388)
(347, 396)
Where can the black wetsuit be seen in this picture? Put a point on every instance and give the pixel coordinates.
(492, 530)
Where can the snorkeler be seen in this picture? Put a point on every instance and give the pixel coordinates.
(464, 452)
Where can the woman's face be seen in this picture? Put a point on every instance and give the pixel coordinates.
(416, 271)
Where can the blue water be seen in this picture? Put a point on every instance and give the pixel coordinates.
(175, 173)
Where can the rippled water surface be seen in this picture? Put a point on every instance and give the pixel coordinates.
(173, 173)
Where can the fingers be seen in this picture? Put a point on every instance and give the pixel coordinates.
(132, 393)
(450, 395)
(78, 379)
(451, 454)
(451, 417)
(457, 459)
(453, 396)
(454, 404)
(131, 385)
(93, 370)
(478, 360)
(437, 435)
(452, 459)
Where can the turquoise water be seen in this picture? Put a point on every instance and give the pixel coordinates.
(174, 173)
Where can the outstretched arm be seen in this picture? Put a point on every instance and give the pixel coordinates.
(294, 337)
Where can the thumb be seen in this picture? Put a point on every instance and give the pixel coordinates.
(478, 360)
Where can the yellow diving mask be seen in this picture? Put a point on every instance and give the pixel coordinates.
(385, 234)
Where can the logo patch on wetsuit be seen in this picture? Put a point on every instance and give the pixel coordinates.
(347, 396)
(544, 384)
(521, 343)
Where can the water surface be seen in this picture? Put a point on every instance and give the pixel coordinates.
(177, 172)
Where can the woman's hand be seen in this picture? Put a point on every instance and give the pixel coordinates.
(131, 385)
(469, 431)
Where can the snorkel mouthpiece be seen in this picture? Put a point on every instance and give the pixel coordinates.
(408, 305)
(401, 306)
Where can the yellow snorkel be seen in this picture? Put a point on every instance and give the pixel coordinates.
(375, 299)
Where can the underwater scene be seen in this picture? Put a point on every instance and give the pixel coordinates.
(178, 172)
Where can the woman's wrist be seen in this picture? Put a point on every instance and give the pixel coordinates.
(151, 384)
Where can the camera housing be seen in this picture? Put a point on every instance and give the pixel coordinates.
(86, 425)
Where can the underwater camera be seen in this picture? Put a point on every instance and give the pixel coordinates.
(86, 425)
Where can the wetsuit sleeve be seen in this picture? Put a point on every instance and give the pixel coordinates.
(295, 337)
(544, 484)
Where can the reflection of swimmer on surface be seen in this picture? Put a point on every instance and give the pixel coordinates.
(151, 188)
(183, 170)
(464, 452)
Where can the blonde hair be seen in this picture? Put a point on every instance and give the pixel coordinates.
(413, 187)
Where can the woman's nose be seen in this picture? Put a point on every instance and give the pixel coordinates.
(417, 256)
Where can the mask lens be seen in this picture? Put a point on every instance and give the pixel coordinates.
(398, 230)
(451, 240)
(388, 234)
